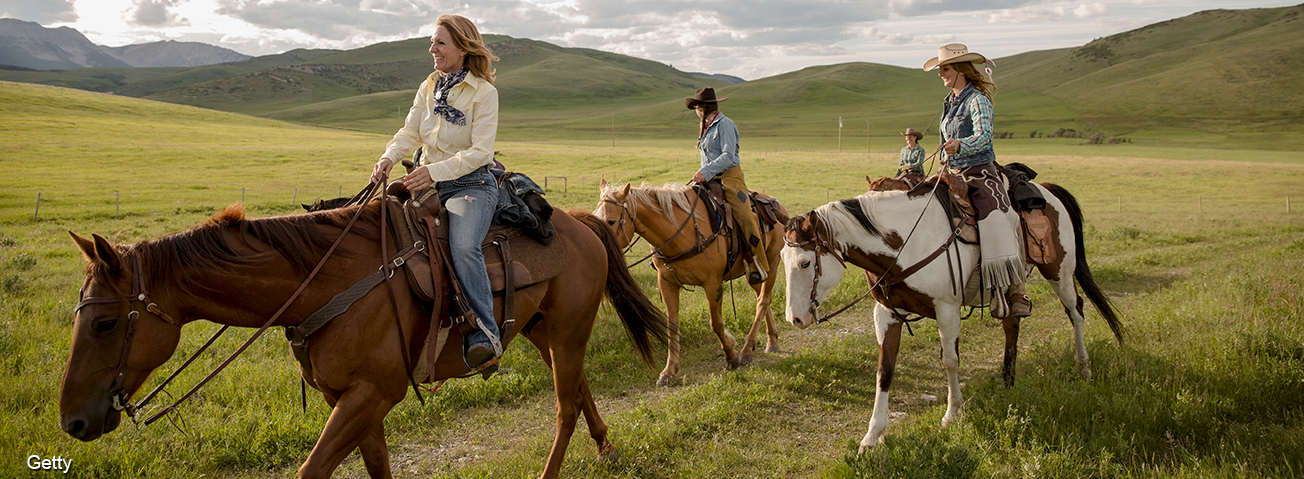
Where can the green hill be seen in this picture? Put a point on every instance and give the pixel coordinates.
(1217, 69)
(1210, 73)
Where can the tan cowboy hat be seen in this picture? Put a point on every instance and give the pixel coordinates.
(912, 132)
(953, 53)
(703, 95)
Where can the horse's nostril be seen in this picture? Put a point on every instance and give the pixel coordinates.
(75, 428)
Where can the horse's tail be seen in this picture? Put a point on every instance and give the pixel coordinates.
(1083, 272)
(642, 319)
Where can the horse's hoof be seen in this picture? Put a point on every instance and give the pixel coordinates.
(666, 381)
(732, 364)
(745, 360)
(864, 448)
(1086, 373)
(772, 349)
(608, 455)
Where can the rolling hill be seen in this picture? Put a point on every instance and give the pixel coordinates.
(1213, 71)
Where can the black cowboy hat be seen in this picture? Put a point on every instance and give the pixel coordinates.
(703, 95)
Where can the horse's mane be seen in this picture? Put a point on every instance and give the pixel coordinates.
(667, 197)
(209, 246)
(841, 221)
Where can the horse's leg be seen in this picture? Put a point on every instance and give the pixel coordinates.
(357, 413)
(597, 428)
(714, 294)
(375, 453)
(1011, 327)
(764, 295)
(670, 297)
(1067, 291)
(888, 330)
(567, 375)
(948, 330)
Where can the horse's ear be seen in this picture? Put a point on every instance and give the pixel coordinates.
(106, 254)
(869, 182)
(87, 246)
(602, 185)
(625, 192)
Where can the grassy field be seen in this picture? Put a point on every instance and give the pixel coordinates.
(1193, 243)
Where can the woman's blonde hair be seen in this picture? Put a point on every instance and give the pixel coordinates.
(479, 59)
(978, 79)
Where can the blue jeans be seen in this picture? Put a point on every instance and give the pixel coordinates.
(470, 202)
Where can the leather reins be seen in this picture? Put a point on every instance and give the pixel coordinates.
(883, 282)
(121, 398)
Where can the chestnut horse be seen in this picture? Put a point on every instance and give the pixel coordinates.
(662, 216)
(237, 271)
(896, 237)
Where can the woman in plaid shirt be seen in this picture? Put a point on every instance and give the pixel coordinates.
(912, 156)
(966, 131)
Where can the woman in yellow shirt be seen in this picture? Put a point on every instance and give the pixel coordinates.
(455, 118)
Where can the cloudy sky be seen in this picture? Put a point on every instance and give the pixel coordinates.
(751, 39)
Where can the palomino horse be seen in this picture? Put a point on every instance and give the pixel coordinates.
(236, 271)
(669, 219)
(877, 231)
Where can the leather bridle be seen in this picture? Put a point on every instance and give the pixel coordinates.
(702, 243)
(121, 399)
(815, 243)
(139, 297)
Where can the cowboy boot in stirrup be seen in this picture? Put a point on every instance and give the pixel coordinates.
(757, 275)
(1020, 304)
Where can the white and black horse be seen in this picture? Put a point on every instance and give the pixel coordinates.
(925, 276)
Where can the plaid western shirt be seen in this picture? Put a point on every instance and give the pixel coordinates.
(912, 159)
(980, 108)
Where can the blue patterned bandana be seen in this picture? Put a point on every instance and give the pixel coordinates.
(442, 87)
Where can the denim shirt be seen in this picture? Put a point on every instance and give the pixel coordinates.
(719, 146)
(968, 118)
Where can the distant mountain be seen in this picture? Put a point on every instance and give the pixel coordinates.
(174, 54)
(30, 45)
(730, 79)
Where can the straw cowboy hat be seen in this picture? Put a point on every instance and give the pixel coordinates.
(953, 53)
(703, 95)
(912, 132)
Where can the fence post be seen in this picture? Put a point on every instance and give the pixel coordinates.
(242, 195)
(1120, 203)
(1200, 202)
(38, 207)
(1288, 203)
(296, 197)
(117, 202)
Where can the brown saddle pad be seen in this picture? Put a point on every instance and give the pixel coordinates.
(532, 262)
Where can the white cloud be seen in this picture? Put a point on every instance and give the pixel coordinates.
(157, 13)
(39, 11)
(748, 38)
(1032, 13)
(1090, 10)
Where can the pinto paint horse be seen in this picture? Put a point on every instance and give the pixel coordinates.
(668, 218)
(877, 231)
(238, 271)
